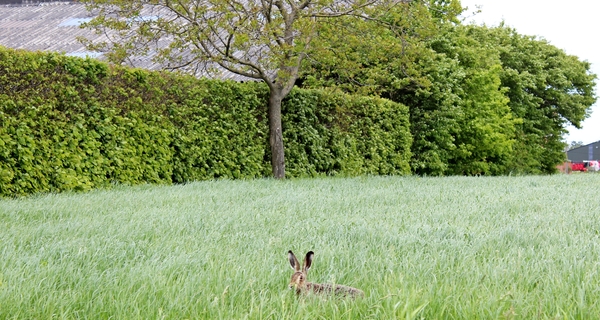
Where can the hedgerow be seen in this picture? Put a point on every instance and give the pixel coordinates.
(75, 124)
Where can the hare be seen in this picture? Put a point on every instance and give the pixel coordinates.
(299, 283)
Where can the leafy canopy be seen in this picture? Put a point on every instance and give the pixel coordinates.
(258, 39)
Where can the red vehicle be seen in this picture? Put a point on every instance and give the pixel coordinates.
(579, 166)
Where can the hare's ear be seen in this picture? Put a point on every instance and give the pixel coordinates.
(293, 261)
(308, 261)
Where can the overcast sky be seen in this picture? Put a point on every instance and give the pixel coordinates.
(570, 25)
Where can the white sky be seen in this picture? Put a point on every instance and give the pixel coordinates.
(570, 25)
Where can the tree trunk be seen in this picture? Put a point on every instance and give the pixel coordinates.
(275, 133)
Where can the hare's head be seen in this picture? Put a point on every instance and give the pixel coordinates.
(298, 280)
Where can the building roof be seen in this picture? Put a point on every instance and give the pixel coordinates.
(55, 26)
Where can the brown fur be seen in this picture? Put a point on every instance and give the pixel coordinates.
(299, 283)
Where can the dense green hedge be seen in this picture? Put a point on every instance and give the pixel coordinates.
(76, 124)
(350, 135)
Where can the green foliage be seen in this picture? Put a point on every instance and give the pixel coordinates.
(336, 133)
(487, 127)
(345, 57)
(219, 130)
(481, 142)
(509, 98)
(261, 40)
(434, 113)
(460, 119)
(481, 100)
(548, 90)
(74, 124)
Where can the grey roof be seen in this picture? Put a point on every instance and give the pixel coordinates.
(55, 26)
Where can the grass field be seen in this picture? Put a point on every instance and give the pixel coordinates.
(432, 248)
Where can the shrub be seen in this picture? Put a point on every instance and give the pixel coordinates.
(74, 124)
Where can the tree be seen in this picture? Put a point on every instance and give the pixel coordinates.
(481, 100)
(375, 58)
(461, 121)
(574, 145)
(548, 89)
(259, 39)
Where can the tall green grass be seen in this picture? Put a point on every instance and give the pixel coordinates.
(433, 248)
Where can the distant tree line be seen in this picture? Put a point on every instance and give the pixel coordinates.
(574, 145)
(482, 100)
